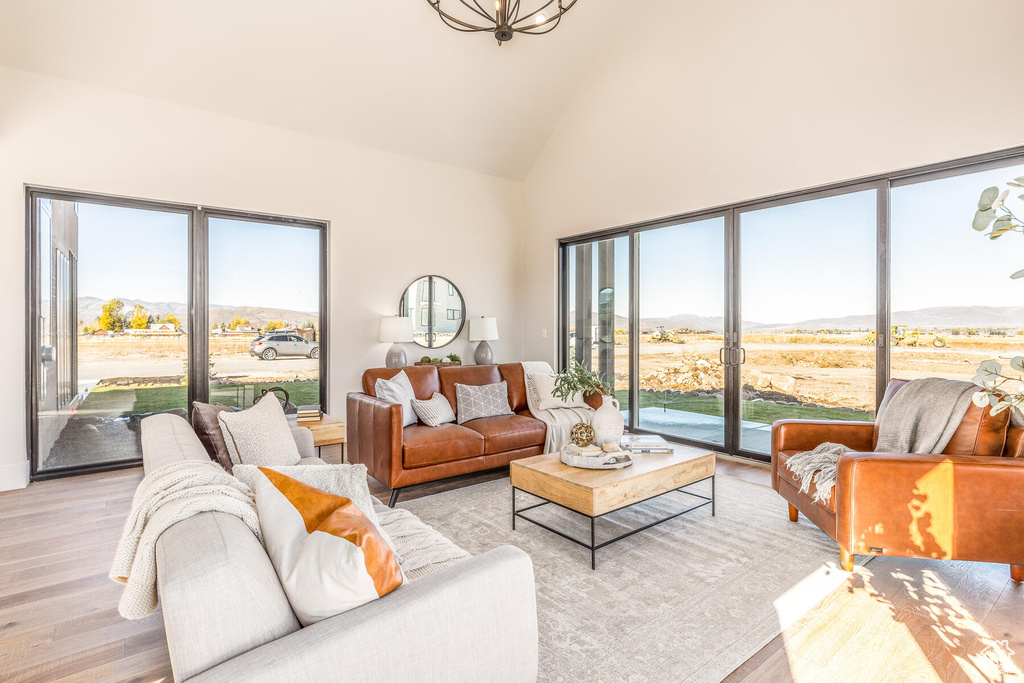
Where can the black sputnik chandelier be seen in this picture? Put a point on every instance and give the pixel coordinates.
(508, 17)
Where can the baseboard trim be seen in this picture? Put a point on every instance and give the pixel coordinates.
(14, 476)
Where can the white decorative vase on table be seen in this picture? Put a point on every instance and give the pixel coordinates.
(607, 422)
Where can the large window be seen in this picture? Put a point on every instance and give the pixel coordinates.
(132, 313)
(800, 306)
(597, 281)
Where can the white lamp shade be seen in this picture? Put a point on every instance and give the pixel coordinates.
(395, 329)
(483, 329)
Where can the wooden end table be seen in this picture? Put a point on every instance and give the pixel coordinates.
(596, 493)
(327, 431)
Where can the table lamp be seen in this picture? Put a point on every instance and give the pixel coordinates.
(397, 330)
(483, 330)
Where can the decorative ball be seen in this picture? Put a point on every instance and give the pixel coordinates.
(582, 434)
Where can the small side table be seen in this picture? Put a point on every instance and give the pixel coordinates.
(330, 432)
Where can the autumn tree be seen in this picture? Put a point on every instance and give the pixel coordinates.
(274, 325)
(139, 319)
(237, 322)
(112, 317)
(171, 319)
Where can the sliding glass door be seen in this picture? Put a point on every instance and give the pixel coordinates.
(597, 326)
(264, 311)
(137, 308)
(808, 299)
(681, 378)
(111, 307)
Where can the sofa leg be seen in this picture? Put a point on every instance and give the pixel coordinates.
(794, 514)
(1017, 572)
(394, 497)
(846, 560)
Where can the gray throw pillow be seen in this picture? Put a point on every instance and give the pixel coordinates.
(435, 411)
(260, 435)
(486, 400)
(398, 390)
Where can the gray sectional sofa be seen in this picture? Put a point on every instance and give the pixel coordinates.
(227, 618)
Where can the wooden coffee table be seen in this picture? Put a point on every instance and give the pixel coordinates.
(595, 493)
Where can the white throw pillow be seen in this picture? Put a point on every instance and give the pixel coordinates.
(546, 400)
(485, 400)
(340, 480)
(435, 411)
(328, 555)
(398, 390)
(259, 435)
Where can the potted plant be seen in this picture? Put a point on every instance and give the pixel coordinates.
(579, 379)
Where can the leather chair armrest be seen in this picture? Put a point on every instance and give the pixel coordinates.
(933, 506)
(375, 436)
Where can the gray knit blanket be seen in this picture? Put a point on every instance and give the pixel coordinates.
(920, 418)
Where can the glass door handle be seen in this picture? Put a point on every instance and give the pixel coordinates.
(743, 357)
(721, 354)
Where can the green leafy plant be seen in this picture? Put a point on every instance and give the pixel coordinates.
(994, 216)
(994, 385)
(579, 379)
(454, 357)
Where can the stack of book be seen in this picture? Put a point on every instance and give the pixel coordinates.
(309, 413)
(646, 443)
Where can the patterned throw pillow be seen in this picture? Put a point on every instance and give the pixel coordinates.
(435, 411)
(398, 390)
(260, 435)
(329, 557)
(485, 400)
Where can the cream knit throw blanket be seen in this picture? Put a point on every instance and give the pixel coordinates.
(165, 497)
(560, 420)
(920, 418)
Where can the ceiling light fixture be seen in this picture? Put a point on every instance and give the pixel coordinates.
(508, 19)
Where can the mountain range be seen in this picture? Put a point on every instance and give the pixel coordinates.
(939, 317)
(90, 308)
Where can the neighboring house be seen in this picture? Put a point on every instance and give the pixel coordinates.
(58, 315)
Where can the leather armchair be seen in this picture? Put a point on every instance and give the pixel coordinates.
(955, 505)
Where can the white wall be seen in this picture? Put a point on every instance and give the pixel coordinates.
(707, 103)
(392, 218)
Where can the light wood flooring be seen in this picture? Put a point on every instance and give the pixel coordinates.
(899, 620)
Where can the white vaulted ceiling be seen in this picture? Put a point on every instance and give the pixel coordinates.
(381, 73)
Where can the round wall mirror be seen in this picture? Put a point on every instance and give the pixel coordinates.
(437, 311)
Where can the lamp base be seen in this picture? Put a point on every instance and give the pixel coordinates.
(396, 357)
(483, 355)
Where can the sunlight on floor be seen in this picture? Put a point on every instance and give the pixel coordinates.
(908, 620)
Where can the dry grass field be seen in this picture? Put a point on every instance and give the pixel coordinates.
(828, 369)
(104, 348)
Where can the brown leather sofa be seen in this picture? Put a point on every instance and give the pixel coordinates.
(964, 504)
(399, 457)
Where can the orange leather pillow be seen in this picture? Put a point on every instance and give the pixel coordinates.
(329, 557)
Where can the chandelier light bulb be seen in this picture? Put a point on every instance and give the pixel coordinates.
(540, 19)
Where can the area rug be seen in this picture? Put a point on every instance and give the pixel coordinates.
(688, 600)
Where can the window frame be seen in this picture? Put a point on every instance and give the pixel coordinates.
(882, 183)
(198, 302)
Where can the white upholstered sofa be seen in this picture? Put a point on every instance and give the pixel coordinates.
(227, 618)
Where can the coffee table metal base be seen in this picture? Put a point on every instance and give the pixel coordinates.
(593, 546)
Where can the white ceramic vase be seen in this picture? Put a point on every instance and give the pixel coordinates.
(607, 422)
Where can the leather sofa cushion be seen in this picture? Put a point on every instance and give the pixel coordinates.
(422, 377)
(979, 433)
(207, 426)
(788, 475)
(516, 378)
(424, 445)
(508, 432)
(476, 375)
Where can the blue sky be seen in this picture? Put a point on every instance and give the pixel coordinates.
(817, 259)
(139, 254)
